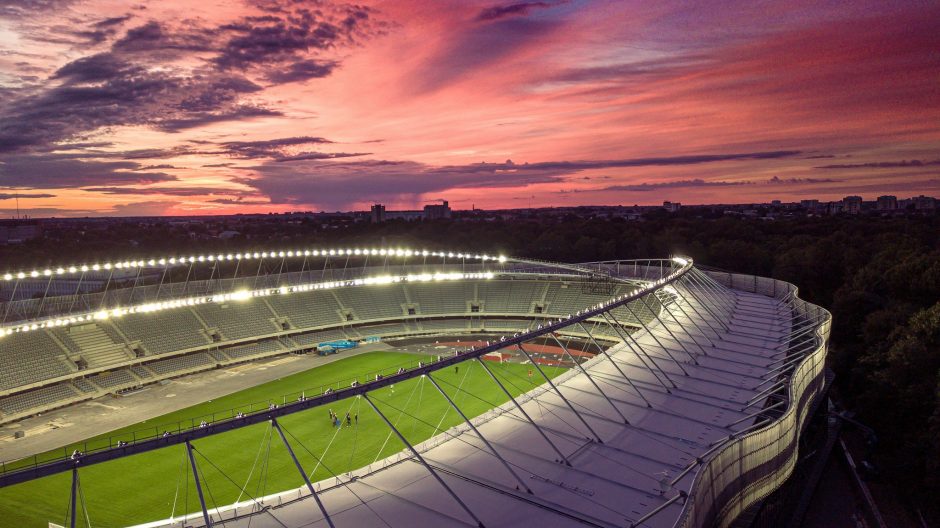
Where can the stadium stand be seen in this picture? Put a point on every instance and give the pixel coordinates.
(381, 302)
(114, 378)
(495, 296)
(84, 385)
(143, 373)
(253, 349)
(444, 298)
(315, 338)
(505, 324)
(31, 357)
(93, 344)
(43, 398)
(238, 320)
(309, 310)
(180, 364)
(444, 324)
(167, 331)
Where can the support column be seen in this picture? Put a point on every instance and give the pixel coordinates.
(423, 461)
(658, 342)
(627, 338)
(697, 313)
(562, 458)
(669, 331)
(303, 473)
(202, 500)
(560, 395)
(585, 372)
(616, 366)
(692, 288)
(74, 498)
(684, 329)
(479, 434)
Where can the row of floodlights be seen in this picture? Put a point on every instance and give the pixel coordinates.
(652, 286)
(173, 261)
(239, 295)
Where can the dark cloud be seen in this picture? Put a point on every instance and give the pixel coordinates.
(161, 166)
(238, 201)
(341, 183)
(905, 164)
(106, 90)
(800, 181)
(8, 196)
(517, 9)
(268, 148)
(679, 184)
(113, 21)
(141, 81)
(198, 119)
(102, 67)
(18, 9)
(154, 37)
(288, 39)
(166, 191)
(50, 171)
(302, 71)
(306, 156)
(575, 166)
(699, 183)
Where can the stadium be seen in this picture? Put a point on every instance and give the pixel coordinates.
(400, 387)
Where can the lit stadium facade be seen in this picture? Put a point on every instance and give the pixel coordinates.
(682, 400)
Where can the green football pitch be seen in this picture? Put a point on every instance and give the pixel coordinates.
(252, 462)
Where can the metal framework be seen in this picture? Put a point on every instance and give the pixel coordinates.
(687, 317)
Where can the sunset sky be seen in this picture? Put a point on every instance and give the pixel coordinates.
(185, 107)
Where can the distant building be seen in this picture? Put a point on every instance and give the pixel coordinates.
(776, 203)
(226, 235)
(924, 203)
(19, 231)
(811, 205)
(852, 205)
(887, 203)
(834, 208)
(408, 216)
(437, 212)
(672, 207)
(378, 213)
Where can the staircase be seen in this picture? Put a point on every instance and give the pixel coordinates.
(96, 346)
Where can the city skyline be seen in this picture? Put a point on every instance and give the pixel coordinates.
(113, 108)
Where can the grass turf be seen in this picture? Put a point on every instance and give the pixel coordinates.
(154, 485)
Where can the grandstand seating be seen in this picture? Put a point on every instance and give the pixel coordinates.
(315, 338)
(83, 385)
(163, 332)
(93, 344)
(309, 310)
(142, 372)
(506, 324)
(114, 378)
(382, 302)
(444, 325)
(238, 320)
(38, 398)
(178, 364)
(253, 349)
(442, 298)
(33, 357)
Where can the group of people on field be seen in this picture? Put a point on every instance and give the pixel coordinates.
(335, 420)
